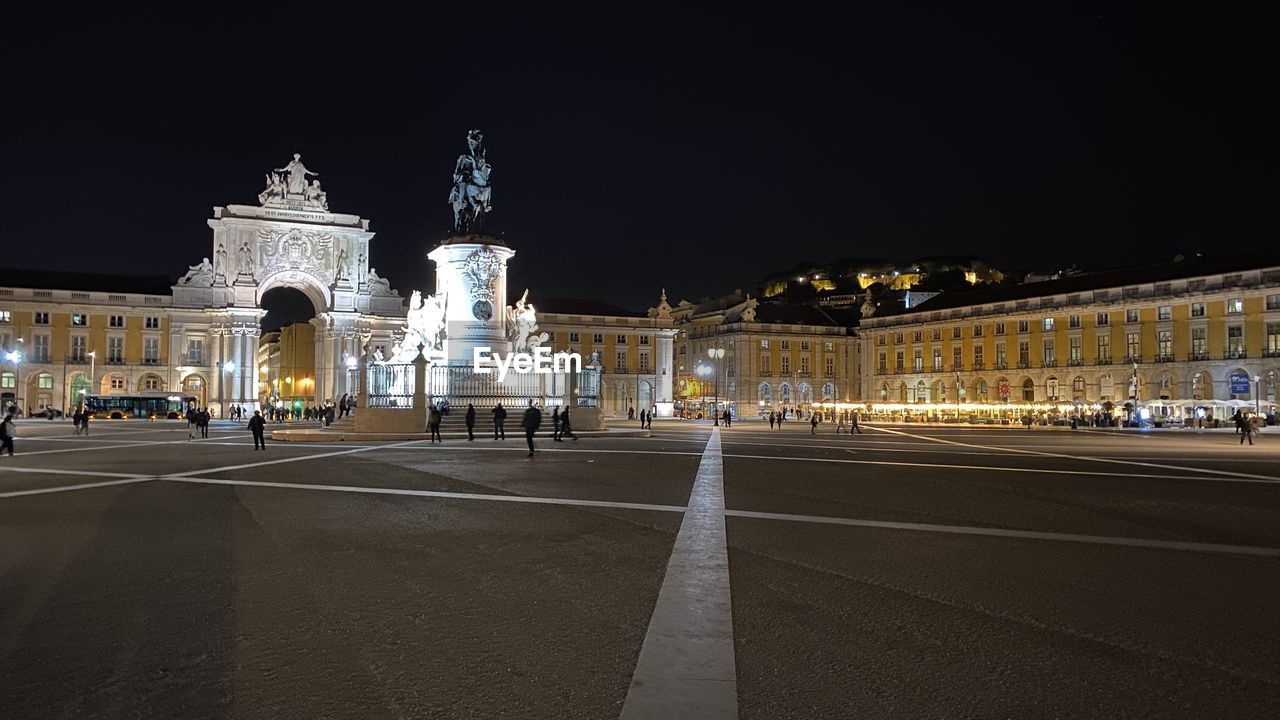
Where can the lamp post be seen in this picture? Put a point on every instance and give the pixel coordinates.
(703, 371)
(227, 366)
(93, 366)
(1257, 397)
(716, 354)
(15, 357)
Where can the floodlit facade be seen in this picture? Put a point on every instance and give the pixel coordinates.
(1197, 329)
(775, 356)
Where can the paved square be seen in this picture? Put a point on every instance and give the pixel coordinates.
(739, 572)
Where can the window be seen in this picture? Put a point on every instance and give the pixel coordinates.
(1001, 357)
(6, 316)
(786, 344)
(918, 361)
(977, 357)
(115, 350)
(764, 344)
(1273, 303)
(1235, 341)
(79, 320)
(882, 365)
(45, 381)
(644, 361)
(829, 347)
(1235, 306)
(1131, 316)
(898, 361)
(1077, 384)
(1164, 345)
(1048, 323)
(1024, 353)
(764, 364)
(620, 359)
(597, 338)
(916, 336)
(117, 382)
(880, 339)
(999, 328)
(937, 334)
(955, 333)
(78, 353)
(1197, 309)
(1104, 348)
(897, 338)
(151, 382)
(1104, 318)
(115, 321)
(40, 318)
(1199, 342)
(1024, 326)
(1273, 338)
(1164, 312)
(937, 358)
(622, 340)
(644, 339)
(1073, 322)
(977, 331)
(804, 364)
(152, 323)
(786, 364)
(575, 337)
(8, 380)
(151, 351)
(40, 348)
(1075, 351)
(956, 358)
(195, 351)
(830, 368)
(1050, 353)
(804, 344)
(1133, 345)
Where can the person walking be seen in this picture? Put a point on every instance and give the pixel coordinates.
(644, 418)
(499, 422)
(532, 420)
(342, 406)
(77, 417)
(434, 423)
(555, 425)
(566, 430)
(258, 426)
(202, 422)
(1246, 427)
(8, 431)
(840, 416)
(813, 423)
(192, 414)
(772, 419)
(471, 422)
(853, 423)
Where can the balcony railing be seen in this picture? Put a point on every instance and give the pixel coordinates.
(1235, 355)
(150, 361)
(1271, 353)
(1049, 363)
(899, 371)
(765, 373)
(1131, 359)
(1195, 356)
(1074, 362)
(979, 365)
(1000, 365)
(1022, 364)
(1102, 361)
(957, 367)
(78, 360)
(1165, 358)
(882, 370)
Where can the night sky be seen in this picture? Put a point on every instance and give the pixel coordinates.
(635, 147)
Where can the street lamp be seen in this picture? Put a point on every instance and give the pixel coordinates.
(227, 366)
(703, 371)
(15, 357)
(1257, 397)
(716, 354)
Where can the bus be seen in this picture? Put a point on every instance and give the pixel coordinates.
(122, 407)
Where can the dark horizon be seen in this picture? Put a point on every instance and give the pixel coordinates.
(699, 157)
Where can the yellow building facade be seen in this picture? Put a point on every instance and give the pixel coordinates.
(1190, 330)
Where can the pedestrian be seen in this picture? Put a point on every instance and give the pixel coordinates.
(566, 430)
(8, 431)
(257, 426)
(532, 420)
(471, 422)
(342, 406)
(840, 416)
(555, 425)
(499, 422)
(202, 422)
(782, 416)
(772, 418)
(644, 418)
(77, 416)
(1246, 429)
(813, 423)
(853, 423)
(192, 415)
(434, 424)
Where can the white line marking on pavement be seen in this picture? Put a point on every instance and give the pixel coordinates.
(51, 471)
(1161, 466)
(686, 667)
(1025, 534)
(1032, 471)
(293, 458)
(66, 488)
(431, 494)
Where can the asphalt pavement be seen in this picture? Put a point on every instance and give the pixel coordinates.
(910, 571)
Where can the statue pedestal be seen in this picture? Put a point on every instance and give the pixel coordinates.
(471, 273)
